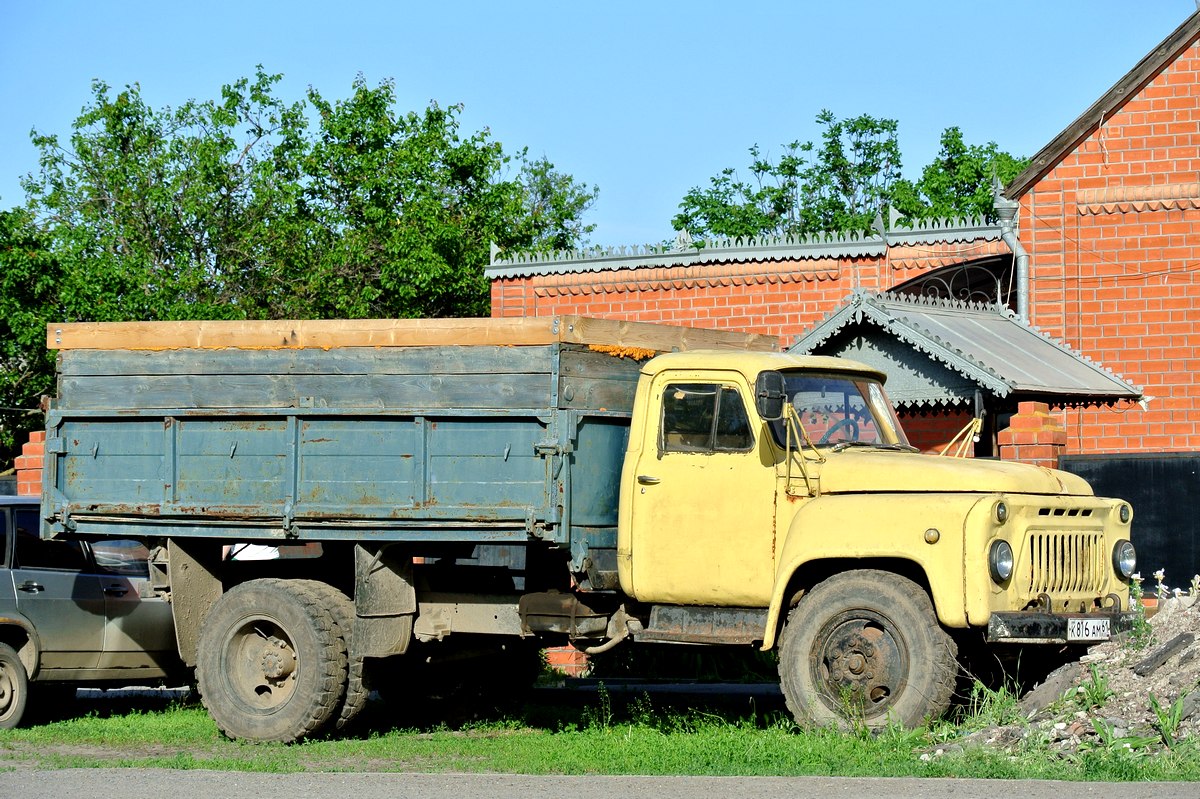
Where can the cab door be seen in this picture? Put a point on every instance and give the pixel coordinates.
(703, 506)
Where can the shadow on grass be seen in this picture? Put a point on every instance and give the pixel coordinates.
(574, 704)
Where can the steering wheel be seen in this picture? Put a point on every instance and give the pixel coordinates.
(847, 423)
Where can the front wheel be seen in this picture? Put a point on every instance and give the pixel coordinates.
(14, 688)
(864, 647)
(271, 663)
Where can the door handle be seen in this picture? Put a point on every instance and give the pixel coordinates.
(116, 590)
(647, 480)
(29, 586)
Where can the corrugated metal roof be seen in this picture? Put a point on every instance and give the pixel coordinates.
(996, 351)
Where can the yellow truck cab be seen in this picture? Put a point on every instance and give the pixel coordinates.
(783, 486)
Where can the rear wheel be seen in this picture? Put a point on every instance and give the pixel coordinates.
(271, 663)
(864, 647)
(341, 607)
(14, 688)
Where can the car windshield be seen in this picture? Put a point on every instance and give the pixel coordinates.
(837, 409)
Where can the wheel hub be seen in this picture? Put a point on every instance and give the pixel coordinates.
(861, 661)
(278, 660)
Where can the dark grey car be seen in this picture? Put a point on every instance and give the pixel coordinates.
(74, 612)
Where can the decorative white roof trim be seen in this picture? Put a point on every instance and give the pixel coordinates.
(685, 252)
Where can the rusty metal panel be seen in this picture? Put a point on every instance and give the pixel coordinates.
(114, 460)
(705, 625)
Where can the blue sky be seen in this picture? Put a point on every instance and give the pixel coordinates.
(644, 99)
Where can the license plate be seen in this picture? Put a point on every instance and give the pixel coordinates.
(1088, 630)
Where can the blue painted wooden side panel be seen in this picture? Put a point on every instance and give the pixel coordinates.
(119, 462)
(441, 444)
(223, 462)
(338, 455)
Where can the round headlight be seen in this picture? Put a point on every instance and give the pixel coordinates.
(1000, 561)
(1126, 513)
(1001, 512)
(1124, 558)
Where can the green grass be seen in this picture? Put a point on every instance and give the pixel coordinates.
(603, 736)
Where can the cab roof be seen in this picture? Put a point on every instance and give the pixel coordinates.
(751, 364)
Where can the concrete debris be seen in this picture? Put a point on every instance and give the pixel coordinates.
(1140, 692)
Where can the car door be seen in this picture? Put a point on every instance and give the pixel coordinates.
(138, 630)
(58, 594)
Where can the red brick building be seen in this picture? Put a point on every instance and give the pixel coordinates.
(1110, 218)
(1102, 256)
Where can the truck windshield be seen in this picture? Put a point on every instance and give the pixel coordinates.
(836, 409)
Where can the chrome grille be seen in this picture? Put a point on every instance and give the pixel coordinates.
(1066, 563)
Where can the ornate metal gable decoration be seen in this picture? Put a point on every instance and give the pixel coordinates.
(995, 351)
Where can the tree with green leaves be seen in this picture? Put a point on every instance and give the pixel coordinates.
(839, 185)
(234, 208)
(843, 183)
(30, 282)
(248, 207)
(958, 183)
(404, 209)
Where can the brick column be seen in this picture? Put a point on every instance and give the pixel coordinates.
(1034, 436)
(29, 465)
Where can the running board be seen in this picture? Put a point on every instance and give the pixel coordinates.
(704, 625)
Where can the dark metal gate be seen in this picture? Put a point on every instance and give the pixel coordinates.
(1163, 489)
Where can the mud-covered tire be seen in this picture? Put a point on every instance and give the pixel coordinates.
(357, 690)
(864, 648)
(271, 664)
(14, 688)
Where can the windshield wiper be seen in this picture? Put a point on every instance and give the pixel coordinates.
(841, 445)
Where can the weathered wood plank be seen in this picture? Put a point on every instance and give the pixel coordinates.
(483, 360)
(662, 338)
(336, 333)
(406, 393)
(597, 380)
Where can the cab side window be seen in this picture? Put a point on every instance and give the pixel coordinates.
(704, 417)
(33, 552)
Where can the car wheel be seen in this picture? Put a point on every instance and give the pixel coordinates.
(14, 688)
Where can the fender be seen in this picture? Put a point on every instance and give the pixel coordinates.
(880, 526)
(31, 652)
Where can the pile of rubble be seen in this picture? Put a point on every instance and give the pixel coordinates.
(1140, 692)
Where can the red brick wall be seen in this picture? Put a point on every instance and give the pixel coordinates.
(782, 299)
(1114, 236)
(29, 465)
(931, 430)
(779, 298)
(1035, 435)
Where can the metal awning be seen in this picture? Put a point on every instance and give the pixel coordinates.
(939, 352)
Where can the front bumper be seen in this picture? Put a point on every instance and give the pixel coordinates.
(1023, 627)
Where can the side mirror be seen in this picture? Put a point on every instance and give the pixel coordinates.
(769, 395)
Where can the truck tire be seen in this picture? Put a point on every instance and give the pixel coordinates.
(14, 688)
(341, 607)
(864, 648)
(271, 665)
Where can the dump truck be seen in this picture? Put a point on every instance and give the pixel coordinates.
(447, 488)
